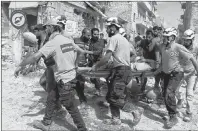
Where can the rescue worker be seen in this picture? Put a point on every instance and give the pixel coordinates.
(96, 45)
(47, 80)
(118, 48)
(171, 68)
(64, 52)
(189, 74)
(82, 42)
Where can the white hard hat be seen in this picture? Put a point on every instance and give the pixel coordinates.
(189, 34)
(170, 32)
(51, 22)
(113, 21)
(122, 31)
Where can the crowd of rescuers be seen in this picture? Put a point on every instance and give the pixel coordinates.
(157, 52)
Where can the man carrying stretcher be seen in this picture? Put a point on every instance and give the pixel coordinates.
(120, 75)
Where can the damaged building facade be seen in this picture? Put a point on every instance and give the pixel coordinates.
(135, 17)
(79, 15)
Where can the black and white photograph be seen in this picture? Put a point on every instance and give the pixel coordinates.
(99, 65)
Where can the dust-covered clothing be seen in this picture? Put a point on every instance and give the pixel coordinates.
(63, 51)
(173, 72)
(120, 48)
(190, 78)
(186, 63)
(172, 57)
(120, 75)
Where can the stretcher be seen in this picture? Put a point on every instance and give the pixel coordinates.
(140, 72)
(104, 73)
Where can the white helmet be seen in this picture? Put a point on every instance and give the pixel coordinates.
(51, 22)
(113, 21)
(170, 32)
(122, 31)
(189, 34)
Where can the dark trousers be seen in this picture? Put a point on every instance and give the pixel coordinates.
(95, 81)
(65, 93)
(80, 86)
(172, 82)
(158, 77)
(116, 82)
(48, 83)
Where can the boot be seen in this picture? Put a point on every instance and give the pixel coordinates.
(41, 125)
(128, 107)
(188, 117)
(137, 116)
(113, 121)
(60, 112)
(172, 121)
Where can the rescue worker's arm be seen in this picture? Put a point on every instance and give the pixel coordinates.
(81, 50)
(46, 50)
(111, 47)
(83, 46)
(195, 63)
(29, 60)
(103, 60)
(98, 52)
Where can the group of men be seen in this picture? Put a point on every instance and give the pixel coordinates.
(173, 63)
(63, 55)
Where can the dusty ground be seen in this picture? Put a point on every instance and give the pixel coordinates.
(23, 101)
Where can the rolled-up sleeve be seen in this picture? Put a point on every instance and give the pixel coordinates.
(48, 49)
(112, 45)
